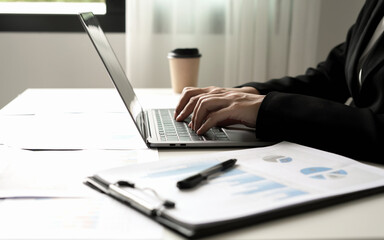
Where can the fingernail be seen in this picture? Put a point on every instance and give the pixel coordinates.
(179, 115)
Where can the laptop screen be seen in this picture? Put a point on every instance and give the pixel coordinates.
(114, 69)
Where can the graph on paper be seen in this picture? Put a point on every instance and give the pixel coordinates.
(323, 173)
(240, 182)
(277, 159)
(263, 179)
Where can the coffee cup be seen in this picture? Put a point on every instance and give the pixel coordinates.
(184, 68)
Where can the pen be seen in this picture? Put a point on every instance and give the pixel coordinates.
(194, 180)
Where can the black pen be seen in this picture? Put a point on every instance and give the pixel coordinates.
(194, 180)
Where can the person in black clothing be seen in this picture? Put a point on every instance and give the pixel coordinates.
(310, 109)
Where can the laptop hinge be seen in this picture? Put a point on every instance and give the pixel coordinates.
(145, 125)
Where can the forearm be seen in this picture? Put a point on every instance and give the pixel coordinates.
(323, 124)
(326, 81)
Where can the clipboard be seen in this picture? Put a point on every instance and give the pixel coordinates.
(147, 188)
(151, 206)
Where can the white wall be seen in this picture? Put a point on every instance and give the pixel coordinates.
(45, 60)
(49, 60)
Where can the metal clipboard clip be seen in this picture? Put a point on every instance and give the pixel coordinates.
(143, 199)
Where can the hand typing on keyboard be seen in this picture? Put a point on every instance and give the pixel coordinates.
(172, 130)
(218, 107)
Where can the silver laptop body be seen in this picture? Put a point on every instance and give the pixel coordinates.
(147, 121)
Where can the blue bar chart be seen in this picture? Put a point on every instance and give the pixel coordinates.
(239, 182)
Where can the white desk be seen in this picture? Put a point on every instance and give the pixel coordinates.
(359, 219)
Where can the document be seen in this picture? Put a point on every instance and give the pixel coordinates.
(264, 181)
(82, 218)
(68, 131)
(67, 119)
(39, 174)
(62, 100)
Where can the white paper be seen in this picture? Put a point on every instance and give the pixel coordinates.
(83, 100)
(76, 119)
(86, 218)
(75, 100)
(71, 131)
(263, 179)
(59, 173)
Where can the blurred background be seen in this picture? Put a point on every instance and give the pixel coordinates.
(42, 43)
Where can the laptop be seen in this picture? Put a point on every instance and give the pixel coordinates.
(157, 127)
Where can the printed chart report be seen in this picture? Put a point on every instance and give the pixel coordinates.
(263, 179)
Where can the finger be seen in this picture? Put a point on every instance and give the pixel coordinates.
(187, 93)
(206, 105)
(213, 119)
(189, 107)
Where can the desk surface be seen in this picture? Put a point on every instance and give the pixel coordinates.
(359, 219)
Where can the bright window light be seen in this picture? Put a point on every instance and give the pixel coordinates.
(52, 6)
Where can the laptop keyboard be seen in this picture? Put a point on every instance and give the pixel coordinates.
(171, 130)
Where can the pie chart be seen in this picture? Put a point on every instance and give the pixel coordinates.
(277, 159)
(324, 173)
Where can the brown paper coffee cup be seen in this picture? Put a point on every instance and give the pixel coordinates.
(184, 68)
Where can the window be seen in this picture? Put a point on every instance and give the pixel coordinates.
(192, 16)
(59, 15)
